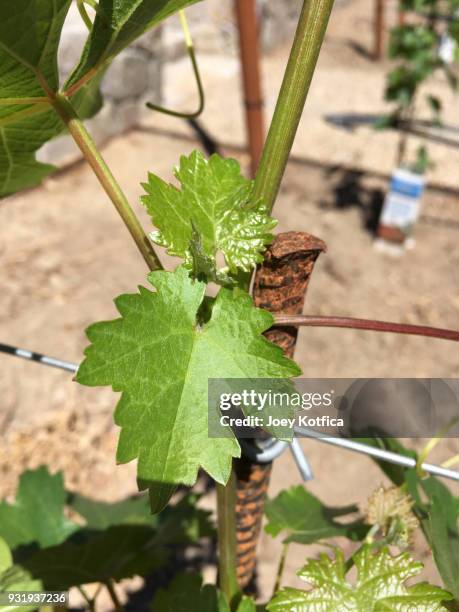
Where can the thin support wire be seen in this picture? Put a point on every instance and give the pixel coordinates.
(38, 357)
(347, 444)
(377, 453)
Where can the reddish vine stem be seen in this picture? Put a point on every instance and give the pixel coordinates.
(366, 324)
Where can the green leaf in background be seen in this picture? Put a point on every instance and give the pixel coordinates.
(161, 358)
(6, 558)
(439, 516)
(120, 551)
(304, 518)
(247, 605)
(444, 538)
(395, 473)
(214, 200)
(415, 43)
(37, 515)
(18, 579)
(14, 578)
(380, 585)
(182, 522)
(186, 593)
(116, 25)
(29, 38)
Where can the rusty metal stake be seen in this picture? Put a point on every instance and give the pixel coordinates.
(401, 18)
(250, 64)
(280, 287)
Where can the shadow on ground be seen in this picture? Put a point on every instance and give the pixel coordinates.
(349, 190)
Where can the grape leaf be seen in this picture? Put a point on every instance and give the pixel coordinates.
(161, 358)
(379, 586)
(439, 516)
(214, 200)
(29, 38)
(159, 493)
(305, 519)
(14, 578)
(37, 513)
(247, 605)
(444, 539)
(6, 558)
(396, 473)
(187, 594)
(116, 25)
(183, 519)
(120, 550)
(17, 579)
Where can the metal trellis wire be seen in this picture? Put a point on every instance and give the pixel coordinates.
(264, 451)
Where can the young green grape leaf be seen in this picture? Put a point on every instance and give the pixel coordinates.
(203, 267)
(215, 199)
(186, 593)
(380, 585)
(116, 25)
(160, 358)
(37, 515)
(304, 518)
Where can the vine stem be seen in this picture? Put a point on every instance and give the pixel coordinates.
(89, 601)
(88, 147)
(366, 324)
(308, 40)
(280, 567)
(226, 511)
(113, 595)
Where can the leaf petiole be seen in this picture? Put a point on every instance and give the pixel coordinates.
(88, 147)
(280, 567)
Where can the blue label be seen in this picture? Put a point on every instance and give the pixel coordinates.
(413, 190)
